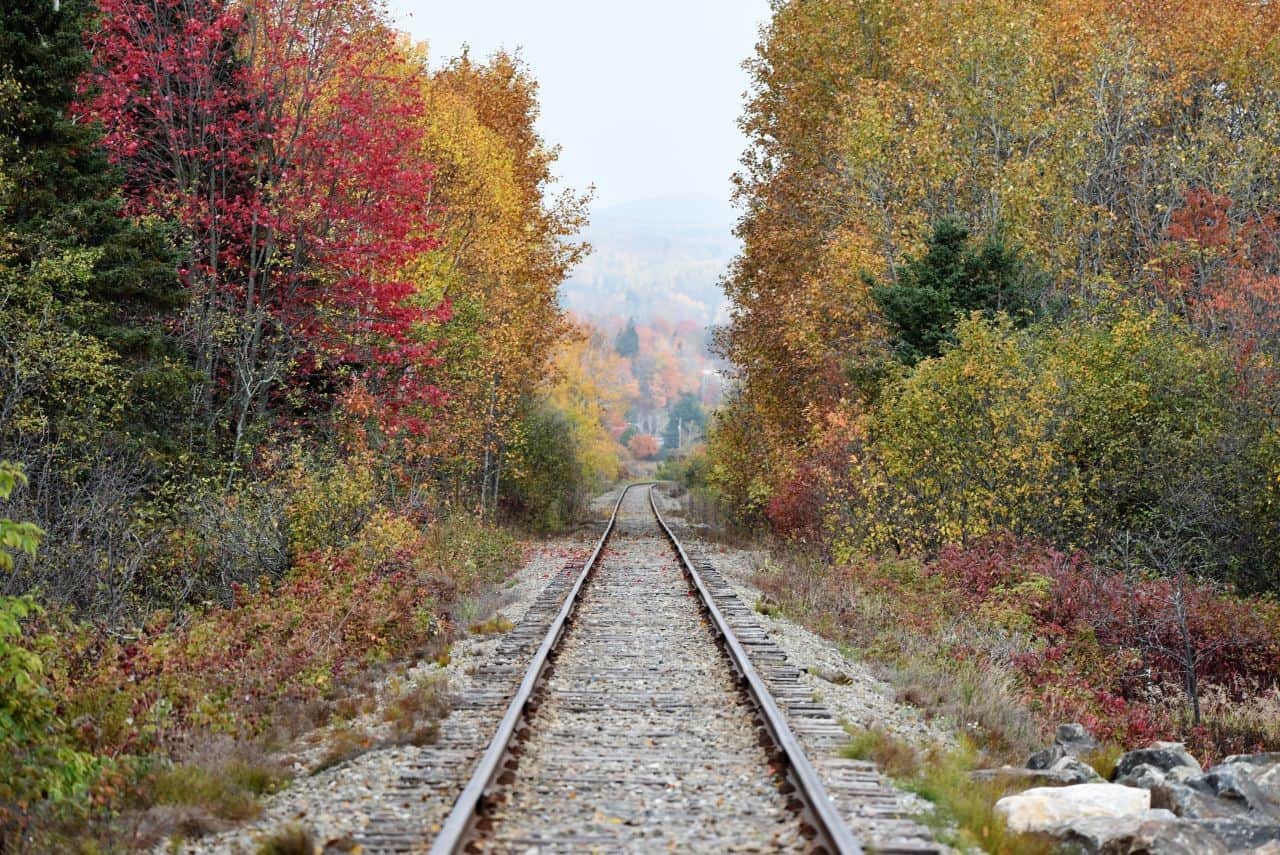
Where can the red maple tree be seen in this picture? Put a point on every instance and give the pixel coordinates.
(1220, 271)
(279, 134)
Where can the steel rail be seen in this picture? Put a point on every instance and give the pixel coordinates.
(462, 818)
(818, 808)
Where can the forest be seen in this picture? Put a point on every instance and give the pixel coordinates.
(1005, 340)
(288, 387)
(281, 354)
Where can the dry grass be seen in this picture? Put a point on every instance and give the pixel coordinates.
(896, 758)
(164, 822)
(346, 744)
(1248, 718)
(226, 790)
(213, 790)
(977, 697)
(415, 713)
(963, 812)
(496, 625)
(290, 840)
(1104, 758)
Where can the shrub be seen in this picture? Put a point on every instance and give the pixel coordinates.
(38, 760)
(287, 645)
(291, 840)
(548, 486)
(1008, 637)
(328, 504)
(1119, 430)
(964, 445)
(690, 470)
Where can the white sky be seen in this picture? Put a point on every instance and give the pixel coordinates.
(643, 96)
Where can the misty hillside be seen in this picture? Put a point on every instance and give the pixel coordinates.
(658, 257)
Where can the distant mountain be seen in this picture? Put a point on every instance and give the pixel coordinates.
(655, 258)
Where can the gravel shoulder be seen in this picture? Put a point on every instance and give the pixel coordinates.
(849, 687)
(336, 804)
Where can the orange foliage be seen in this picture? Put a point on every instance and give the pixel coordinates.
(643, 446)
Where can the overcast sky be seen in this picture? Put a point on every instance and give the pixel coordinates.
(643, 95)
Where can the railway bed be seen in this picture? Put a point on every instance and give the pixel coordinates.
(640, 707)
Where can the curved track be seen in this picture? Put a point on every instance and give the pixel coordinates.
(642, 725)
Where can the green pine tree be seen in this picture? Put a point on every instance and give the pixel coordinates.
(954, 277)
(65, 204)
(627, 343)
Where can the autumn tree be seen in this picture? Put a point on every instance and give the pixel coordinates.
(644, 446)
(1070, 130)
(505, 243)
(271, 131)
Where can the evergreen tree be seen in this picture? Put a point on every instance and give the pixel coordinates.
(954, 277)
(67, 205)
(628, 342)
(686, 415)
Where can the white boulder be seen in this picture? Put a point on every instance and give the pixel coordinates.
(1043, 808)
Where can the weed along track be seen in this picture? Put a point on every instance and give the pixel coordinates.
(651, 718)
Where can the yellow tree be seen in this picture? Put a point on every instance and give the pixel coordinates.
(504, 248)
(1074, 128)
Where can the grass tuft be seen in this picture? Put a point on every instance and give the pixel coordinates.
(229, 791)
(1104, 758)
(896, 758)
(291, 840)
(963, 812)
(768, 607)
(416, 710)
(345, 744)
(496, 625)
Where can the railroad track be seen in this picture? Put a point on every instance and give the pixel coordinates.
(653, 714)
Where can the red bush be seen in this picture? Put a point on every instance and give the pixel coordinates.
(1102, 642)
(795, 510)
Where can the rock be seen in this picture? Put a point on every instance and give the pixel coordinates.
(1143, 775)
(1152, 832)
(1074, 739)
(1078, 771)
(1241, 836)
(1069, 740)
(1184, 775)
(1171, 838)
(1266, 758)
(1046, 758)
(1194, 799)
(1268, 781)
(1165, 756)
(1256, 786)
(1043, 808)
(1269, 848)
